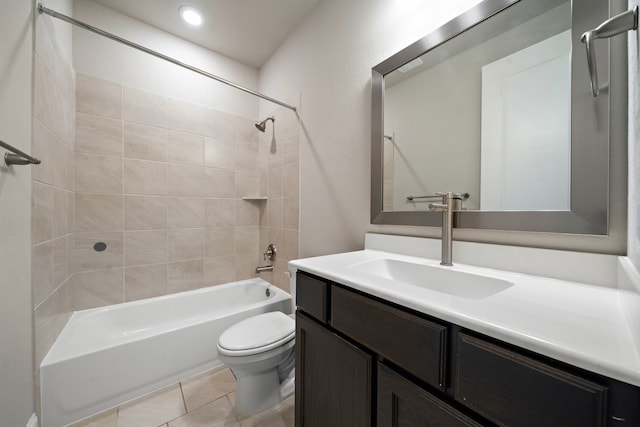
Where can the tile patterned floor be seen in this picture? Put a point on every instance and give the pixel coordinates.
(205, 400)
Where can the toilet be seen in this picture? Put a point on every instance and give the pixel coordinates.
(260, 352)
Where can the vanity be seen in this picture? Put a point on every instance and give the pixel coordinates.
(387, 337)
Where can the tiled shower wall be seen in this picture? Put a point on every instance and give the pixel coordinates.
(52, 222)
(160, 182)
(279, 145)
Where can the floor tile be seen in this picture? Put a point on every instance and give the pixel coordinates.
(153, 410)
(218, 413)
(274, 417)
(207, 387)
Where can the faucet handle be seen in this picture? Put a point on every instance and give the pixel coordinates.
(438, 206)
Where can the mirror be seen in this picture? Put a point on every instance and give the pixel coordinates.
(496, 104)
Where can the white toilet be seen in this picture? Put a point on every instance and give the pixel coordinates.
(260, 352)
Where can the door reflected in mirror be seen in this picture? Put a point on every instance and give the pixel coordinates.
(486, 113)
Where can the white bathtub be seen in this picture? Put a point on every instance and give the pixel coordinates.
(109, 355)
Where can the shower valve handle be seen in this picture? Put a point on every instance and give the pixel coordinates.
(271, 253)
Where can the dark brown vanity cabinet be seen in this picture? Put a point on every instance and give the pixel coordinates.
(361, 361)
(403, 403)
(333, 378)
(511, 389)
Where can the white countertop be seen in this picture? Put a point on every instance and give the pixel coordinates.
(590, 326)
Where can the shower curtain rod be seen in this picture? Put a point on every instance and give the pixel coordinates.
(42, 9)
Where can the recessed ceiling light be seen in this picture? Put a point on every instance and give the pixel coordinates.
(190, 15)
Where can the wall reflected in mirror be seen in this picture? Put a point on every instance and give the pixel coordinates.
(486, 113)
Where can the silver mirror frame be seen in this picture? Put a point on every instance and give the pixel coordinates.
(591, 132)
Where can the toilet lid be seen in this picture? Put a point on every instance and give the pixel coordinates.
(262, 332)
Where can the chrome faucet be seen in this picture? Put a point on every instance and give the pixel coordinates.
(450, 202)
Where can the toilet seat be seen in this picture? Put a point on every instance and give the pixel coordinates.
(257, 334)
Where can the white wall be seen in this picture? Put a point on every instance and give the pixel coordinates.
(633, 235)
(16, 330)
(328, 59)
(100, 57)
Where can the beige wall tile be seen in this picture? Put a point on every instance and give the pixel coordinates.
(245, 130)
(220, 242)
(185, 275)
(44, 94)
(42, 271)
(98, 174)
(98, 135)
(247, 241)
(290, 180)
(247, 184)
(49, 319)
(56, 158)
(44, 44)
(93, 289)
(248, 212)
(274, 213)
(145, 247)
(60, 265)
(185, 180)
(145, 107)
(275, 183)
(185, 148)
(218, 124)
(247, 156)
(274, 156)
(290, 213)
(145, 212)
(98, 212)
(186, 212)
(61, 112)
(219, 270)
(71, 256)
(42, 212)
(291, 244)
(187, 244)
(184, 116)
(60, 212)
(246, 267)
(44, 144)
(219, 183)
(145, 178)
(99, 97)
(220, 212)
(87, 258)
(219, 153)
(145, 281)
(145, 142)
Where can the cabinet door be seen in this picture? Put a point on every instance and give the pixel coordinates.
(402, 403)
(333, 379)
(511, 389)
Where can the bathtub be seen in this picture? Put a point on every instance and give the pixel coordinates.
(110, 355)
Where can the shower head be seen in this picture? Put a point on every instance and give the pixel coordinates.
(263, 124)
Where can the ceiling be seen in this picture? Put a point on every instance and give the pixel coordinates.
(249, 31)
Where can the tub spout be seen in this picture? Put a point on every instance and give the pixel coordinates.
(264, 268)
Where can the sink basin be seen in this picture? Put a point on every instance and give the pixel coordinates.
(435, 278)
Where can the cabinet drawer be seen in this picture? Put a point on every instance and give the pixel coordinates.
(515, 390)
(312, 296)
(409, 341)
(402, 403)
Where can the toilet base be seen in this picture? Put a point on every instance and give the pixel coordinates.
(258, 392)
